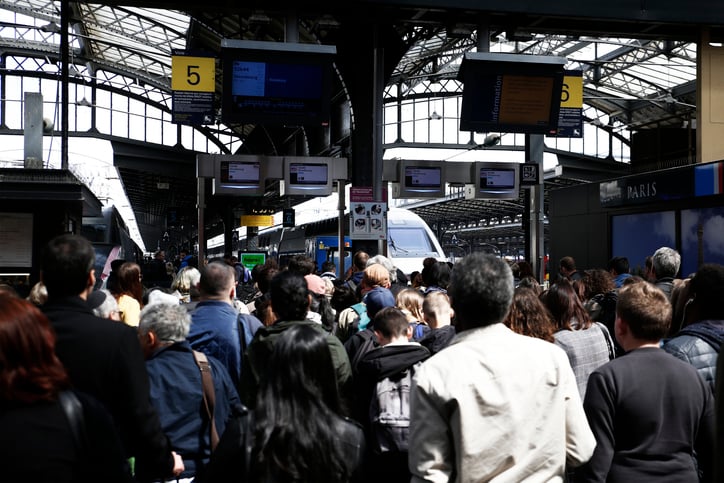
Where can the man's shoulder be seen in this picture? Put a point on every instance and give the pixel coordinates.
(206, 309)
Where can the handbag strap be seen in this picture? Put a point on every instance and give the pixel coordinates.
(609, 342)
(207, 382)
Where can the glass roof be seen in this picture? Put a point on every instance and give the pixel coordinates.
(139, 41)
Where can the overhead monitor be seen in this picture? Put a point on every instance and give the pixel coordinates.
(497, 180)
(310, 178)
(276, 83)
(510, 92)
(240, 176)
(421, 179)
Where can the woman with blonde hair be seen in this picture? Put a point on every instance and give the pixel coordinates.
(186, 284)
(409, 301)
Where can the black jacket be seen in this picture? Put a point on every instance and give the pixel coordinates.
(104, 359)
(377, 364)
(437, 339)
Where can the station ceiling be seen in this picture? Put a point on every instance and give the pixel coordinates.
(638, 62)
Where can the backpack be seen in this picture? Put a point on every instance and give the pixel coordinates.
(364, 319)
(389, 413)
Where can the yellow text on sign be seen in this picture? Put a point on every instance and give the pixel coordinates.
(257, 220)
(572, 92)
(196, 74)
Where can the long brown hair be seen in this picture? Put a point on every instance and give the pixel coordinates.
(529, 316)
(566, 306)
(29, 369)
(129, 281)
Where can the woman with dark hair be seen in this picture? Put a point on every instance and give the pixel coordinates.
(298, 433)
(41, 439)
(528, 316)
(588, 344)
(436, 277)
(130, 293)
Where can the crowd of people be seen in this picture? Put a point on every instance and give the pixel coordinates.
(464, 372)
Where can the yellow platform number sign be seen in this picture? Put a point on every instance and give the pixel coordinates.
(195, 74)
(572, 92)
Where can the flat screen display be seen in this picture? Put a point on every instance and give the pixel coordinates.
(423, 177)
(236, 172)
(308, 174)
(497, 179)
(510, 93)
(276, 83)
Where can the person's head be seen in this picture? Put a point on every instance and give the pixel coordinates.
(525, 269)
(329, 267)
(103, 304)
(666, 262)
(289, 294)
(29, 369)
(38, 294)
(531, 283)
(302, 264)
(375, 276)
(385, 262)
(391, 326)
(319, 303)
(529, 316)
(649, 269)
(129, 280)
(377, 299)
(566, 307)
(409, 301)
(643, 314)
(437, 310)
(436, 275)
(416, 279)
(300, 369)
(217, 282)
(707, 287)
(67, 266)
(343, 296)
(263, 280)
(162, 324)
(567, 266)
(359, 261)
(597, 281)
(618, 265)
(481, 290)
(187, 280)
(160, 255)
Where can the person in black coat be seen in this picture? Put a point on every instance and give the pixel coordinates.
(652, 415)
(103, 357)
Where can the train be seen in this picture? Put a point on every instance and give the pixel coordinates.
(409, 241)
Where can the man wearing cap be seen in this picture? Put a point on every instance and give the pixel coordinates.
(290, 301)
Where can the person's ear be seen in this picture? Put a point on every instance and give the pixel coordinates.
(408, 332)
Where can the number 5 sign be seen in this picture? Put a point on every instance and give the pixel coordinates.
(193, 74)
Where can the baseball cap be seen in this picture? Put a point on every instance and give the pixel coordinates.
(377, 299)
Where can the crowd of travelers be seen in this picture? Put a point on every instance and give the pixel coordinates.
(464, 372)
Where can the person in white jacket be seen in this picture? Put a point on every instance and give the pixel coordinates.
(494, 405)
